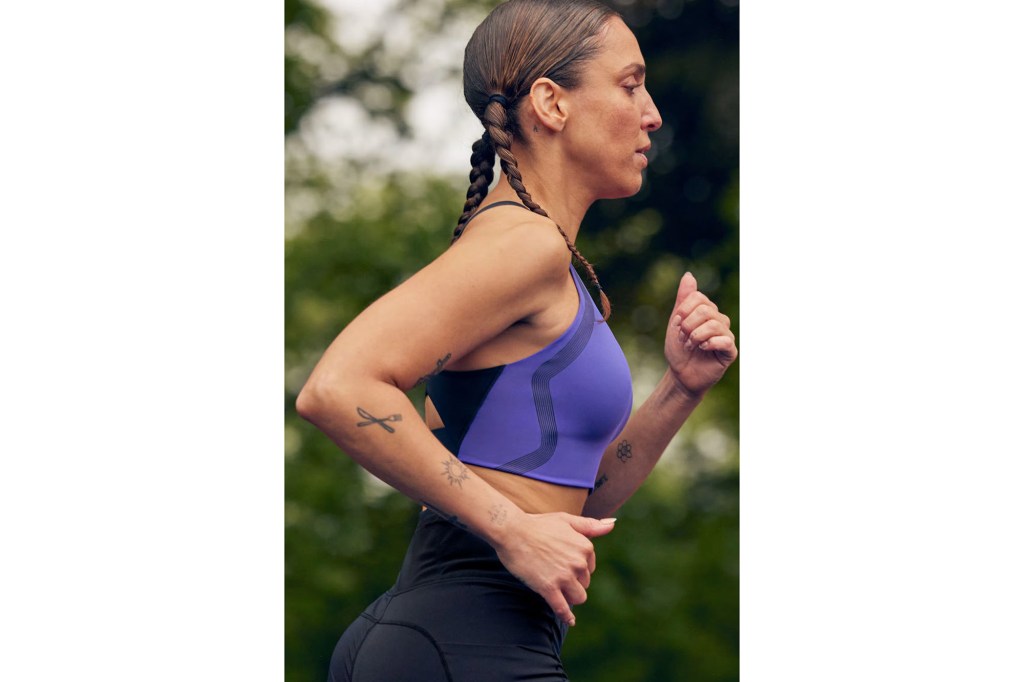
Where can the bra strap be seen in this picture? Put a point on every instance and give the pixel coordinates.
(495, 205)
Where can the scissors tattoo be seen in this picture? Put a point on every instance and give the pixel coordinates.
(374, 420)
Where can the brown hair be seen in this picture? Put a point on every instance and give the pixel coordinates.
(519, 42)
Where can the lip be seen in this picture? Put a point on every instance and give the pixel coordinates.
(642, 154)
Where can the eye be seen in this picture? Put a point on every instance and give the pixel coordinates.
(632, 88)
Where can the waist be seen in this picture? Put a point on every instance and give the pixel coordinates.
(440, 550)
(531, 495)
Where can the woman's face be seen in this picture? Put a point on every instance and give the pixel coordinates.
(611, 117)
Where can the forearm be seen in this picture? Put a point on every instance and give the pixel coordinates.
(632, 456)
(376, 424)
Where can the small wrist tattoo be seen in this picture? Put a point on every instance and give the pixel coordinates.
(498, 515)
(370, 420)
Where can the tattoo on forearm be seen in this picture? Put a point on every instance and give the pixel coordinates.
(625, 451)
(601, 481)
(498, 515)
(370, 419)
(456, 471)
(437, 370)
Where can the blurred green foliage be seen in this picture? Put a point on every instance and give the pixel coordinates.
(664, 604)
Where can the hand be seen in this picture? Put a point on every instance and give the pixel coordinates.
(698, 344)
(553, 556)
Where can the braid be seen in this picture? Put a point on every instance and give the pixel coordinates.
(480, 177)
(496, 122)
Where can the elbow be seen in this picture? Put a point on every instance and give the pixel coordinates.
(307, 403)
(316, 401)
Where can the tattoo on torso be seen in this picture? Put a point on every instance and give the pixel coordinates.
(437, 370)
(624, 451)
(370, 420)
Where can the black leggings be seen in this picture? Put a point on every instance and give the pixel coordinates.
(454, 615)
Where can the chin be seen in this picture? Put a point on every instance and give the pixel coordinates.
(627, 191)
(623, 187)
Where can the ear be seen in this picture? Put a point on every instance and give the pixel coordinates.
(549, 103)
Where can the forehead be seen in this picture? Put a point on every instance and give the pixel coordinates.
(619, 49)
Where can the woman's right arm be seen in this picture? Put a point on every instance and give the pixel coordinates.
(356, 396)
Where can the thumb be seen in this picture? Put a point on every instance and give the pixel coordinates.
(591, 528)
(687, 285)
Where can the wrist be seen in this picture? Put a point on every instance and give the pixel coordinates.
(504, 521)
(678, 392)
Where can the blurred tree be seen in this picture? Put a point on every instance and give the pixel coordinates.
(664, 605)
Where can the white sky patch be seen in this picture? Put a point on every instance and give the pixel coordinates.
(357, 23)
(443, 127)
(444, 130)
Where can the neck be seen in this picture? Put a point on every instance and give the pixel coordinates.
(545, 184)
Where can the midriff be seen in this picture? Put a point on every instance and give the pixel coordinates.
(533, 496)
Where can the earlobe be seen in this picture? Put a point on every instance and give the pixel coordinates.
(547, 99)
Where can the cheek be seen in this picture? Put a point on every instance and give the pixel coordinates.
(624, 125)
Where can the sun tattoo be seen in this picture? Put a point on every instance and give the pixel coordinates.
(456, 471)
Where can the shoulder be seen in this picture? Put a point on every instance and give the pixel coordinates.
(521, 244)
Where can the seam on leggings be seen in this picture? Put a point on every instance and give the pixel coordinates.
(355, 655)
(433, 642)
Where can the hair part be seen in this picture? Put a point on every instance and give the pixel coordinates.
(519, 42)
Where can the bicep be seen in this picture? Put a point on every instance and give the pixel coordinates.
(461, 300)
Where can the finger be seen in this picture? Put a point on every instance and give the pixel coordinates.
(583, 572)
(694, 301)
(724, 347)
(557, 601)
(687, 285)
(705, 331)
(697, 317)
(713, 337)
(589, 527)
(574, 593)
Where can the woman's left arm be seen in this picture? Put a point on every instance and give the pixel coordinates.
(699, 347)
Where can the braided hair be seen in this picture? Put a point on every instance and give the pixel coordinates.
(519, 42)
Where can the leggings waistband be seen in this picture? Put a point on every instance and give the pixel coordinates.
(440, 550)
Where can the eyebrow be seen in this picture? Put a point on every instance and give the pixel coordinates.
(635, 69)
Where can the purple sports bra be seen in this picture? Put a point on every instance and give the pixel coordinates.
(548, 416)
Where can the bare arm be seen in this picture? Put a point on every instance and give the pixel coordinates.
(631, 457)
(699, 347)
(356, 396)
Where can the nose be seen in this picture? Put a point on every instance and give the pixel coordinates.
(650, 120)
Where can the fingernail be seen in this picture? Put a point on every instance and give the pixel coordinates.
(704, 346)
(610, 519)
(677, 320)
(688, 345)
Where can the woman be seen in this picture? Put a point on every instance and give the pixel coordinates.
(529, 442)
